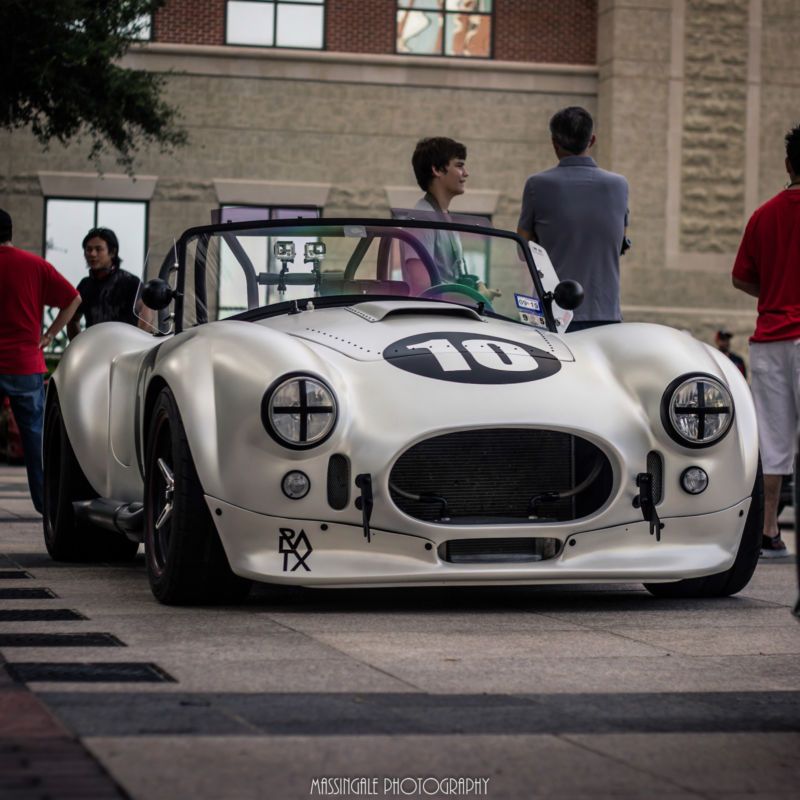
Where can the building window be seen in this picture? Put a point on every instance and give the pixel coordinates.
(141, 29)
(458, 28)
(282, 23)
(67, 221)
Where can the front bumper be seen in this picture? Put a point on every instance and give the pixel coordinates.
(307, 552)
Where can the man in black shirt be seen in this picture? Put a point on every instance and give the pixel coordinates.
(108, 293)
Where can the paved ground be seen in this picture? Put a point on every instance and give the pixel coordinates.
(543, 693)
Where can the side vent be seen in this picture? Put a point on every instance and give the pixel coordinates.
(655, 466)
(338, 481)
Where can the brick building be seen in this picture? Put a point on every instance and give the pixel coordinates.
(317, 105)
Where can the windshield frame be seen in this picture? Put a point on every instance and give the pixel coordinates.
(277, 309)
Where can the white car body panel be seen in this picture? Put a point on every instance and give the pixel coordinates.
(218, 374)
(623, 553)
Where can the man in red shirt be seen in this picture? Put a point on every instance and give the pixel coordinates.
(768, 267)
(28, 284)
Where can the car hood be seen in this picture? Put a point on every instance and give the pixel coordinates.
(366, 331)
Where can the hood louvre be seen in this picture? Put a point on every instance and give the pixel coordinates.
(379, 311)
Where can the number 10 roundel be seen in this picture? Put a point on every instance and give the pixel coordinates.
(467, 358)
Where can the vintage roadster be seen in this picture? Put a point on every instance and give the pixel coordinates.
(351, 403)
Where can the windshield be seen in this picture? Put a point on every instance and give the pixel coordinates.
(231, 269)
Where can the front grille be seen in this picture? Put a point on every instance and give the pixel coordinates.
(499, 475)
(498, 551)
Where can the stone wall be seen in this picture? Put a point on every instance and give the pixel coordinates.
(779, 107)
(715, 108)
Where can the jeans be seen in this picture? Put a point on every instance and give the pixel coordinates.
(26, 393)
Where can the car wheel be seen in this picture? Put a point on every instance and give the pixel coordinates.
(732, 580)
(66, 538)
(186, 562)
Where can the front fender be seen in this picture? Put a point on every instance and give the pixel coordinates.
(218, 375)
(644, 359)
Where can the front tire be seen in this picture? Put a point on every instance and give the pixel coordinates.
(186, 563)
(65, 537)
(733, 580)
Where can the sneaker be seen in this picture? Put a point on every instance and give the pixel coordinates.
(773, 547)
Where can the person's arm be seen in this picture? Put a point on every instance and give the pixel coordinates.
(526, 227)
(74, 325)
(746, 275)
(748, 288)
(66, 313)
(626, 242)
(487, 291)
(144, 315)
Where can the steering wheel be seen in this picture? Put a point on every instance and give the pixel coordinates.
(457, 288)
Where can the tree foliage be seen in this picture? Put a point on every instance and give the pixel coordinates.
(61, 76)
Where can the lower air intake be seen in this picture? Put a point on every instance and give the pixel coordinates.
(498, 551)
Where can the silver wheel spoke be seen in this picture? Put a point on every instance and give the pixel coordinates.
(167, 473)
(164, 516)
(169, 491)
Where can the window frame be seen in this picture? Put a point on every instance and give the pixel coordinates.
(95, 201)
(445, 13)
(298, 4)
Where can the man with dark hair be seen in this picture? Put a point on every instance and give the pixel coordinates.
(28, 284)
(440, 168)
(766, 267)
(109, 293)
(579, 213)
(440, 157)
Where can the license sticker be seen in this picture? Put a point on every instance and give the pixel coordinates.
(530, 310)
(529, 304)
(532, 319)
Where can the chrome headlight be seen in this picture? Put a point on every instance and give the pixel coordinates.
(697, 410)
(299, 411)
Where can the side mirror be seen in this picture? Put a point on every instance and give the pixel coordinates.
(568, 295)
(157, 294)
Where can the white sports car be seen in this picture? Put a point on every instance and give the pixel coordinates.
(395, 402)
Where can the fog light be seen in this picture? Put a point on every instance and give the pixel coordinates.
(694, 480)
(295, 485)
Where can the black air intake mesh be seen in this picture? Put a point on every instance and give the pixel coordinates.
(655, 466)
(496, 473)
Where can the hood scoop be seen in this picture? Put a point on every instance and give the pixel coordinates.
(379, 310)
(352, 330)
